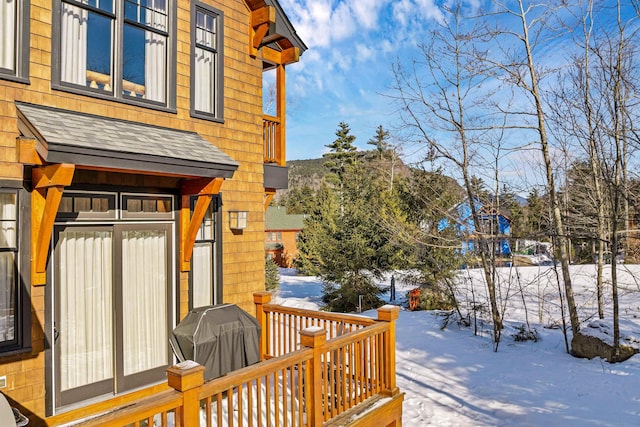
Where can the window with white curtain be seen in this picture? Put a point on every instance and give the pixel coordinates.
(206, 62)
(15, 303)
(8, 283)
(204, 271)
(14, 39)
(131, 65)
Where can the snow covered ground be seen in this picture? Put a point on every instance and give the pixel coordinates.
(452, 377)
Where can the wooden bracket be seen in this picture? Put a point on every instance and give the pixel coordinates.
(261, 20)
(48, 186)
(268, 196)
(205, 189)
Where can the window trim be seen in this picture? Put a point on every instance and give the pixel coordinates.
(22, 338)
(117, 44)
(21, 72)
(218, 116)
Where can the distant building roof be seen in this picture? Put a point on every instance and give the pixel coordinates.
(277, 218)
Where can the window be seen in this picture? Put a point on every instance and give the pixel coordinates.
(117, 48)
(14, 310)
(274, 236)
(205, 273)
(206, 62)
(14, 40)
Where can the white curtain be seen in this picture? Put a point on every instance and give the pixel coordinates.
(73, 61)
(204, 65)
(144, 294)
(8, 220)
(7, 296)
(86, 307)
(8, 40)
(202, 274)
(8, 224)
(155, 58)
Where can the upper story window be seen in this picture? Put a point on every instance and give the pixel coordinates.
(117, 48)
(206, 62)
(14, 39)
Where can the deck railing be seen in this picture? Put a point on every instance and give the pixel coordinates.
(309, 383)
(272, 138)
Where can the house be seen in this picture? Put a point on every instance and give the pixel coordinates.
(495, 226)
(281, 235)
(135, 167)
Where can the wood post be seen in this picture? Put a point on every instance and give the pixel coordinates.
(390, 313)
(187, 381)
(315, 338)
(259, 299)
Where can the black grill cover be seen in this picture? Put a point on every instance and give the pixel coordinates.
(222, 338)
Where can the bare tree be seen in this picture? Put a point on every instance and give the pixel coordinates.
(442, 108)
(518, 68)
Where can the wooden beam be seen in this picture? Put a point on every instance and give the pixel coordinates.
(48, 183)
(27, 152)
(264, 15)
(190, 223)
(271, 55)
(289, 56)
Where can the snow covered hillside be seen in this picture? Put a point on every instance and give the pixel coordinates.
(452, 377)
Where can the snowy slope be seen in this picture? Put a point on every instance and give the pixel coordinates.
(452, 377)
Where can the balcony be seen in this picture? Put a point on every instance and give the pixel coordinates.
(317, 369)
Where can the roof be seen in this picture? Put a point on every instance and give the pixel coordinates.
(277, 218)
(71, 137)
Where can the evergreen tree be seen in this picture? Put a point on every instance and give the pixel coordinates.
(272, 276)
(342, 155)
(381, 142)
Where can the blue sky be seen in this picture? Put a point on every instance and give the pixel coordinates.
(346, 74)
(346, 71)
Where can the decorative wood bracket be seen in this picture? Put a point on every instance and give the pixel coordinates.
(261, 20)
(268, 196)
(205, 189)
(48, 185)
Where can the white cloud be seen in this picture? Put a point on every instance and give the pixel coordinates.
(402, 11)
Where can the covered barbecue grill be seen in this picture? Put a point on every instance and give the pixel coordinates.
(222, 338)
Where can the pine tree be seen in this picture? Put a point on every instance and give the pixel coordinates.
(342, 154)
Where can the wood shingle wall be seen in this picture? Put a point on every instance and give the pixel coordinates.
(240, 136)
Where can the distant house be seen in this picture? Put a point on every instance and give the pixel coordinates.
(495, 225)
(281, 234)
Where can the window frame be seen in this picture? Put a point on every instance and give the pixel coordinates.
(216, 245)
(218, 114)
(21, 343)
(20, 73)
(117, 61)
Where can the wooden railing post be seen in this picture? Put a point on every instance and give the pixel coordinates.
(187, 380)
(315, 338)
(260, 299)
(390, 313)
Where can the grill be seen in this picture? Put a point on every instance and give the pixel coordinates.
(222, 338)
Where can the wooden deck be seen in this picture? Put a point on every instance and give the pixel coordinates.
(317, 369)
